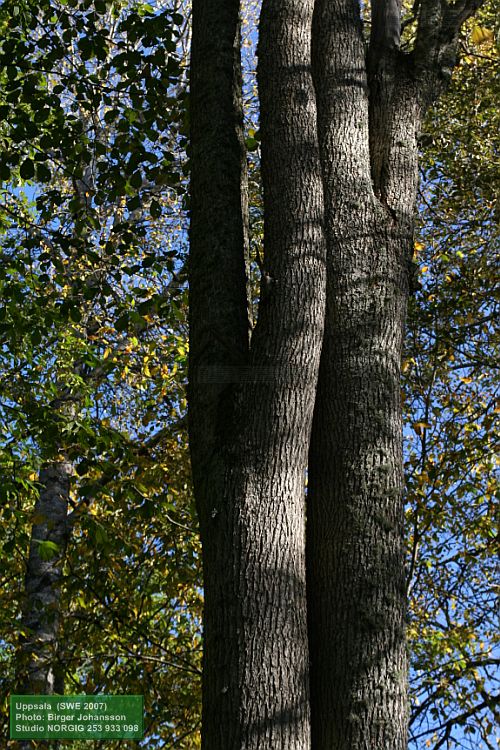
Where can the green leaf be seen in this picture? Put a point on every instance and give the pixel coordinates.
(27, 169)
(46, 549)
(155, 209)
(43, 173)
(252, 144)
(4, 172)
(134, 203)
(101, 535)
(121, 324)
(136, 180)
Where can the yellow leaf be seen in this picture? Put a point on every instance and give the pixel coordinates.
(466, 380)
(147, 371)
(107, 352)
(419, 426)
(418, 246)
(480, 35)
(407, 363)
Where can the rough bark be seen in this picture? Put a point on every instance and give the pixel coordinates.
(355, 546)
(251, 405)
(218, 330)
(37, 673)
(254, 409)
(369, 115)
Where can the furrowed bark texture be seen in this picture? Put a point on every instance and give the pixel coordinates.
(218, 314)
(251, 405)
(250, 487)
(37, 673)
(218, 336)
(355, 545)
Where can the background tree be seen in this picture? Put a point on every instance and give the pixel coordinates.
(91, 370)
(450, 383)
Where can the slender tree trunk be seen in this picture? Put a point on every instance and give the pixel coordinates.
(218, 339)
(251, 410)
(37, 673)
(37, 670)
(355, 545)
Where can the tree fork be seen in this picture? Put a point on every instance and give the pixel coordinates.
(369, 115)
(251, 411)
(355, 545)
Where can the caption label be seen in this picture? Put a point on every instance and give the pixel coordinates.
(68, 717)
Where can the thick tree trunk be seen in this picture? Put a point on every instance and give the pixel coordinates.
(355, 545)
(250, 406)
(251, 411)
(37, 670)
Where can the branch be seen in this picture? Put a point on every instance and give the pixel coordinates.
(430, 19)
(460, 718)
(385, 28)
(456, 14)
(412, 17)
(436, 46)
(456, 677)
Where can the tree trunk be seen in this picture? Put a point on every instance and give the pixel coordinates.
(355, 512)
(251, 410)
(251, 405)
(37, 671)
